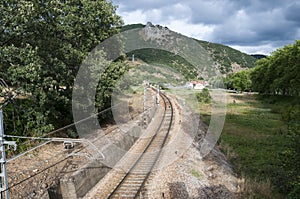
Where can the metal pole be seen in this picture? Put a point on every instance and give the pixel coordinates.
(3, 174)
(158, 92)
(145, 95)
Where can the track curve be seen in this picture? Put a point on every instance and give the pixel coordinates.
(132, 184)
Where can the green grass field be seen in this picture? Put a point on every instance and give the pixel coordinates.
(254, 139)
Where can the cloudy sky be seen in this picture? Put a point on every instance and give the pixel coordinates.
(252, 26)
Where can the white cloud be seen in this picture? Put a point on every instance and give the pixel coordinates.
(183, 26)
(198, 31)
(242, 24)
(176, 12)
(133, 17)
(154, 15)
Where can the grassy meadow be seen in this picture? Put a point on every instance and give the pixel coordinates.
(254, 140)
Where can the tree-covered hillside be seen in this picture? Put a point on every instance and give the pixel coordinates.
(225, 58)
(161, 57)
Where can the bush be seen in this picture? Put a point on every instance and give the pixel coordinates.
(204, 96)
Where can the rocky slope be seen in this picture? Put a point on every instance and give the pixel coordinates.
(224, 58)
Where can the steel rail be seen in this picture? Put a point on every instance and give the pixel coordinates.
(164, 142)
(127, 175)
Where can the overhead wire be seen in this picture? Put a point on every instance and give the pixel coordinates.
(48, 140)
(60, 129)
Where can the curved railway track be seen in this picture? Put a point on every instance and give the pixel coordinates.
(132, 184)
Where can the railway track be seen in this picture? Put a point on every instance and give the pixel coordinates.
(132, 183)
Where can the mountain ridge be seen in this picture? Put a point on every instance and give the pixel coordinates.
(225, 59)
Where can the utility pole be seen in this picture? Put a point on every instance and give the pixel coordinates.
(3, 174)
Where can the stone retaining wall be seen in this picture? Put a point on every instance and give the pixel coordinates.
(79, 183)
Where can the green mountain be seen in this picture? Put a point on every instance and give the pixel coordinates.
(225, 59)
(228, 59)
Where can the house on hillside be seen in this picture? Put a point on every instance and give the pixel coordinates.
(197, 85)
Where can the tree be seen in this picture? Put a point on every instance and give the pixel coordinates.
(42, 46)
(204, 96)
(239, 81)
(279, 73)
(259, 76)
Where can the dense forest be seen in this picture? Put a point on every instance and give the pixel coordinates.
(279, 74)
(42, 46)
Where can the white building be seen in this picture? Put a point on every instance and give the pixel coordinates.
(197, 85)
